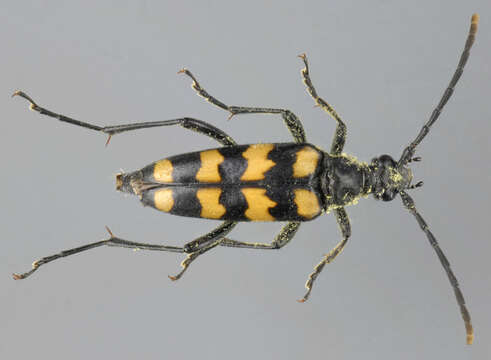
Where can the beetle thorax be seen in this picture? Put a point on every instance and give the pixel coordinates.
(345, 180)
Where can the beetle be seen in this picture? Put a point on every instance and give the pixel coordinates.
(292, 182)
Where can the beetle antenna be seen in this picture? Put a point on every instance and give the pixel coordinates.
(409, 204)
(409, 151)
(417, 185)
(415, 159)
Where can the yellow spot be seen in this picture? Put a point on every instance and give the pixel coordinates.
(163, 200)
(162, 171)
(210, 206)
(306, 162)
(307, 203)
(208, 172)
(257, 161)
(258, 204)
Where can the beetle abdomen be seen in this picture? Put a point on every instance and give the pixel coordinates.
(259, 182)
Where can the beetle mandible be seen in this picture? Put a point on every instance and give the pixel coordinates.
(292, 182)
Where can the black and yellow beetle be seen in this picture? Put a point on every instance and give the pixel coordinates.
(291, 182)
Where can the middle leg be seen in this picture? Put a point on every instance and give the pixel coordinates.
(202, 244)
(208, 242)
(291, 121)
(286, 234)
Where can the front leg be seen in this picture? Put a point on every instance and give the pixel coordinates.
(340, 134)
(344, 226)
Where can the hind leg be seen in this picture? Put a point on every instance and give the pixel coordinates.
(199, 245)
(196, 125)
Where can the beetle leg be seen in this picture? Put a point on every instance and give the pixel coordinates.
(209, 241)
(340, 134)
(191, 257)
(200, 243)
(344, 226)
(215, 234)
(291, 121)
(112, 241)
(284, 237)
(286, 234)
(196, 125)
(199, 126)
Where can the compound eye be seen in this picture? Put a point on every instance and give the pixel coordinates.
(387, 160)
(389, 195)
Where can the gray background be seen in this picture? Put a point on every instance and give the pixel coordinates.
(382, 64)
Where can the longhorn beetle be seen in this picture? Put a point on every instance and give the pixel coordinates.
(292, 182)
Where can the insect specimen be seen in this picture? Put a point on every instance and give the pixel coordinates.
(292, 182)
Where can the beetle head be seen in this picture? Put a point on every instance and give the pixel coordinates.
(388, 180)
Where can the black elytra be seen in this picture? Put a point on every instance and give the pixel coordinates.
(292, 182)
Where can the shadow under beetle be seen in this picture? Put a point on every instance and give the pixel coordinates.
(292, 182)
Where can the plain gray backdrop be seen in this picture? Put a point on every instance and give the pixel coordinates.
(382, 64)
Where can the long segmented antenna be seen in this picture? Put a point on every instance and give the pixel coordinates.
(409, 204)
(409, 151)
